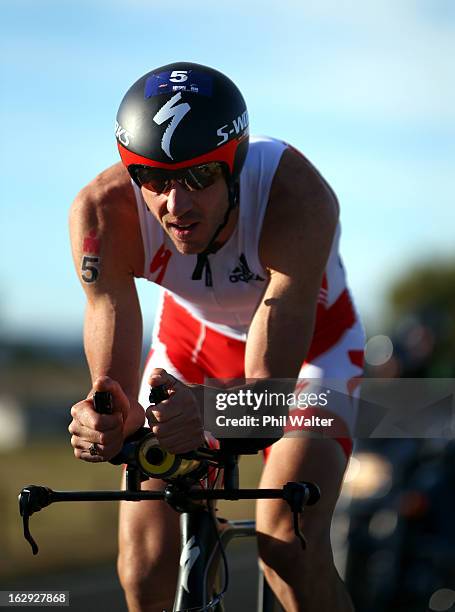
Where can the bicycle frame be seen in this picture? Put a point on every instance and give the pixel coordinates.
(200, 560)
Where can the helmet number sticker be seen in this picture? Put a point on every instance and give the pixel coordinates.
(169, 82)
(179, 76)
(175, 112)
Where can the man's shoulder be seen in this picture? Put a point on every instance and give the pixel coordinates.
(261, 163)
(264, 147)
(109, 194)
(295, 174)
(300, 181)
(107, 208)
(302, 208)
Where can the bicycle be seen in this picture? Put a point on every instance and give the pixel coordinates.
(203, 535)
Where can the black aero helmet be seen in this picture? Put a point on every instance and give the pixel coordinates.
(182, 115)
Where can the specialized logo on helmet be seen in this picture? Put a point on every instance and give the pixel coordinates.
(122, 135)
(235, 127)
(176, 114)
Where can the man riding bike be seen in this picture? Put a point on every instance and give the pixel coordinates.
(242, 234)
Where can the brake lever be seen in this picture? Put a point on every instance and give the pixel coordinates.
(298, 495)
(32, 499)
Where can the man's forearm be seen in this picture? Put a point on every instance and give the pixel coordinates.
(112, 343)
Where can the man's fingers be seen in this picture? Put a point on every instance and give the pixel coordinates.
(85, 445)
(164, 411)
(151, 418)
(79, 432)
(177, 443)
(98, 437)
(88, 451)
(94, 451)
(175, 421)
(84, 414)
(159, 376)
(92, 435)
(165, 431)
(81, 408)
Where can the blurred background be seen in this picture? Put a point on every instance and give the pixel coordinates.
(366, 91)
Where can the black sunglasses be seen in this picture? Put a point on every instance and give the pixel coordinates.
(194, 178)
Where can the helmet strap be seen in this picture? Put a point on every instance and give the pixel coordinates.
(203, 262)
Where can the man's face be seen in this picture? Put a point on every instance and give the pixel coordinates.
(190, 218)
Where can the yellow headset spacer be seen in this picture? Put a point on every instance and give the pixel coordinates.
(166, 465)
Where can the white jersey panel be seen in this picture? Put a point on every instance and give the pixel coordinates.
(237, 274)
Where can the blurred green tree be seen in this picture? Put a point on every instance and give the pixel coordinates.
(422, 315)
(427, 286)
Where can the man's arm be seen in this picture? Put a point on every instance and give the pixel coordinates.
(295, 243)
(108, 254)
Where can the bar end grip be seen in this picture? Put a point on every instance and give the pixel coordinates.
(102, 401)
(158, 394)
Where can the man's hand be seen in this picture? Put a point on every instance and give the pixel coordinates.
(176, 421)
(103, 433)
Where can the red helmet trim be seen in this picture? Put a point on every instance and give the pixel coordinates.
(225, 153)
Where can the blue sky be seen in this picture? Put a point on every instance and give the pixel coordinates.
(364, 89)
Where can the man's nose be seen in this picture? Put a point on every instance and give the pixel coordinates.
(178, 201)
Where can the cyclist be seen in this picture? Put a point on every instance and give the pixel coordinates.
(242, 234)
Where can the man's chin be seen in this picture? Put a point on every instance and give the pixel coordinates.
(190, 244)
(188, 248)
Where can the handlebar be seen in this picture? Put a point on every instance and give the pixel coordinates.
(144, 459)
(34, 498)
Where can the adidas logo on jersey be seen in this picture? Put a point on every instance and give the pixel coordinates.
(243, 273)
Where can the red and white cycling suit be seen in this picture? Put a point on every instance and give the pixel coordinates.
(200, 331)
